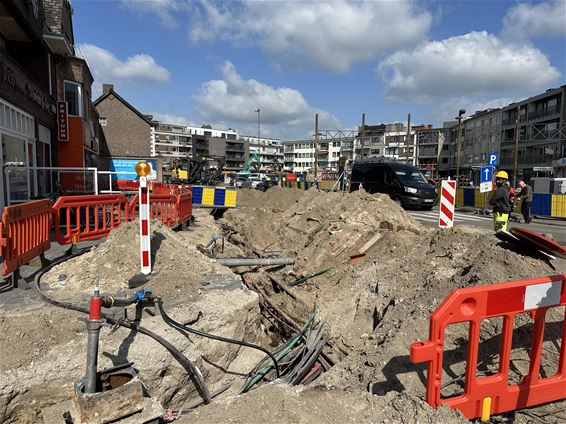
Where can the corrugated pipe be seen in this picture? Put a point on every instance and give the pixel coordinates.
(232, 262)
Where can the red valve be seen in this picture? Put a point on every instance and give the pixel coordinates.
(95, 310)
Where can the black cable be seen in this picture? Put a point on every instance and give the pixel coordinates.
(178, 326)
(192, 370)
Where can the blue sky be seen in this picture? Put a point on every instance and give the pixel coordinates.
(214, 62)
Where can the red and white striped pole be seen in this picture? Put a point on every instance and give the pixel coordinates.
(447, 202)
(143, 169)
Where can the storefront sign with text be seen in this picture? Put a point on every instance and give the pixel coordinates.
(62, 121)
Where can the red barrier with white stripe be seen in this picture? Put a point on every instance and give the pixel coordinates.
(145, 234)
(493, 393)
(447, 202)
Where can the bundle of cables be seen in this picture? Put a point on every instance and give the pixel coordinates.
(297, 357)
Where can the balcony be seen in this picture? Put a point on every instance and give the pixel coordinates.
(230, 147)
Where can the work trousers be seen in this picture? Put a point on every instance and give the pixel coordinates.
(526, 210)
(500, 221)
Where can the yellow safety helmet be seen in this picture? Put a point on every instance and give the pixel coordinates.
(502, 174)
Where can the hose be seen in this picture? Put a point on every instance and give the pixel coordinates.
(172, 323)
(192, 370)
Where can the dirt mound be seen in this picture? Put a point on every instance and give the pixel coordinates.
(376, 308)
(280, 403)
(178, 267)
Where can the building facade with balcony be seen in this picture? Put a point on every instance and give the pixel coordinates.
(430, 143)
(171, 141)
(231, 154)
(268, 150)
(542, 133)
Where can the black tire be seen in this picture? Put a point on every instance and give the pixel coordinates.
(398, 201)
(427, 208)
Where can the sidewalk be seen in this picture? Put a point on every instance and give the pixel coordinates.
(546, 220)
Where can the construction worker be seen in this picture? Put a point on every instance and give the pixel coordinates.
(500, 202)
(527, 196)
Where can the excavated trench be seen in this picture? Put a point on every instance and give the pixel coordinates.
(340, 321)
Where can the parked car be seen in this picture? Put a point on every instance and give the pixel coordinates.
(266, 185)
(242, 181)
(405, 184)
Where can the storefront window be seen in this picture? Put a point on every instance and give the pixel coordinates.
(14, 155)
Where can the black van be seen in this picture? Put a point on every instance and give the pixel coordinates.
(405, 184)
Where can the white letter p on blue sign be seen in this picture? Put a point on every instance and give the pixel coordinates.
(493, 159)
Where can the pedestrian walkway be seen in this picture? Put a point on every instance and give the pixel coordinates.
(432, 216)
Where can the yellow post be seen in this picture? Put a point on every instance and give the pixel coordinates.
(486, 409)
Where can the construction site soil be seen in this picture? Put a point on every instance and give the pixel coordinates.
(373, 307)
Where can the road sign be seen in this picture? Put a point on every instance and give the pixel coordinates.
(486, 180)
(493, 158)
(447, 201)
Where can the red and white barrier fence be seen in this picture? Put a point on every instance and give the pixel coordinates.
(447, 202)
(145, 234)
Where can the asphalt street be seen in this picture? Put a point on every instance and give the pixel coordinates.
(465, 217)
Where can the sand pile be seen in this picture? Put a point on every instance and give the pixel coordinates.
(179, 268)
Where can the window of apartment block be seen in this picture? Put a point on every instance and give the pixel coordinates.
(73, 97)
(444, 160)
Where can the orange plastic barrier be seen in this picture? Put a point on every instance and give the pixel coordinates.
(161, 206)
(492, 394)
(25, 233)
(126, 185)
(184, 207)
(80, 218)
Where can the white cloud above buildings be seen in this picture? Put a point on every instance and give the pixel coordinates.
(334, 34)
(107, 68)
(530, 20)
(474, 64)
(234, 99)
(165, 10)
(173, 119)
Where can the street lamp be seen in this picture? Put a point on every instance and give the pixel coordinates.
(257, 109)
(459, 118)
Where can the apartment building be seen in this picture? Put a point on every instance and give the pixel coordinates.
(432, 150)
(268, 150)
(171, 141)
(542, 132)
(234, 153)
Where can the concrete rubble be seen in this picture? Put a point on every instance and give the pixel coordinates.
(373, 273)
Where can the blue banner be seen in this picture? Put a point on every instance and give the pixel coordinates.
(126, 168)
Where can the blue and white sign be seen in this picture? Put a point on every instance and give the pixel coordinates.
(493, 158)
(486, 179)
(126, 169)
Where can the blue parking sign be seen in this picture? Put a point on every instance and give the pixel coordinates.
(493, 156)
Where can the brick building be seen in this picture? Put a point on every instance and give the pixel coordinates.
(127, 134)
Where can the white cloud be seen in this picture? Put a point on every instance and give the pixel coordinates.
(527, 20)
(474, 64)
(107, 68)
(332, 34)
(163, 9)
(233, 99)
(168, 118)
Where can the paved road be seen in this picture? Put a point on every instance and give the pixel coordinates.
(555, 227)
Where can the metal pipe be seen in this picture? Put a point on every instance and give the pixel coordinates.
(93, 329)
(233, 262)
